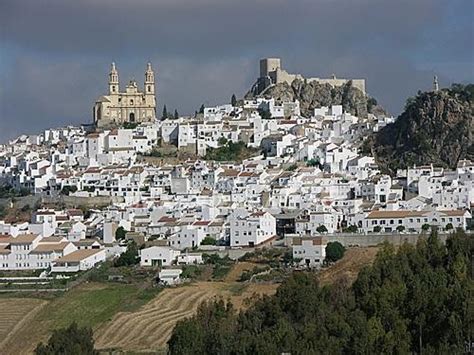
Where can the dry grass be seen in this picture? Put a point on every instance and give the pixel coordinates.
(15, 313)
(149, 328)
(349, 266)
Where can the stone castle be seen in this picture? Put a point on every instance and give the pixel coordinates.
(271, 73)
(131, 105)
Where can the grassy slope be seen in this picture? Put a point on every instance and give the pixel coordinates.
(89, 304)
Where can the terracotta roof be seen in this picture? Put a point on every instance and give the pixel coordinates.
(201, 223)
(24, 239)
(315, 240)
(78, 255)
(44, 248)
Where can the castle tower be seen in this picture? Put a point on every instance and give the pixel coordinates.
(435, 84)
(149, 80)
(113, 80)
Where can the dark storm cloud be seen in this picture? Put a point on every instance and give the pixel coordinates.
(55, 54)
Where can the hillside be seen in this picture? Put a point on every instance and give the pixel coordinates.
(313, 95)
(410, 300)
(435, 128)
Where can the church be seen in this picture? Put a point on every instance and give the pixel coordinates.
(132, 105)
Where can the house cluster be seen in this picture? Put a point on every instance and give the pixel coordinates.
(309, 179)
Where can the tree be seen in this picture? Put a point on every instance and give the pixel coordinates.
(67, 189)
(71, 340)
(176, 115)
(321, 229)
(351, 229)
(334, 251)
(201, 109)
(400, 229)
(425, 227)
(233, 100)
(265, 114)
(449, 226)
(129, 257)
(164, 115)
(208, 241)
(377, 229)
(120, 233)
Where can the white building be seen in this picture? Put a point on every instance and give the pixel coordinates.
(252, 230)
(311, 250)
(158, 256)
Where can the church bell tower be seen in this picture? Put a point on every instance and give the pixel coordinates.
(149, 80)
(113, 80)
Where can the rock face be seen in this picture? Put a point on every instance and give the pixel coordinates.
(436, 127)
(313, 95)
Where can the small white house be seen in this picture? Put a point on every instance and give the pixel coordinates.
(79, 260)
(188, 259)
(170, 276)
(311, 250)
(158, 256)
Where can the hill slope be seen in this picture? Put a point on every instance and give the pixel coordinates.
(436, 127)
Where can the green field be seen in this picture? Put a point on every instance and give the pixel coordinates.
(90, 304)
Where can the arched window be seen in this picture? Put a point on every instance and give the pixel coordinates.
(149, 88)
(113, 88)
(132, 117)
(131, 102)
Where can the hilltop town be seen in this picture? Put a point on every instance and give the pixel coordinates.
(251, 175)
(254, 171)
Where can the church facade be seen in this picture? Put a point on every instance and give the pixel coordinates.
(131, 105)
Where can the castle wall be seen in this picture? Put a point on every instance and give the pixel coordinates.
(271, 68)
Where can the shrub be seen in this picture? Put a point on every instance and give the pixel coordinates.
(334, 251)
(322, 229)
(208, 241)
(71, 340)
(129, 257)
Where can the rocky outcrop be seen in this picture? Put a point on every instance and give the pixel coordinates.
(312, 95)
(436, 127)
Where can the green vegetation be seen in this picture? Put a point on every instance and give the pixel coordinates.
(377, 229)
(413, 300)
(425, 227)
(191, 272)
(435, 128)
(292, 167)
(164, 115)
(67, 190)
(400, 229)
(334, 251)
(321, 229)
(351, 229)
(120, 233)
(71, 340)
(130, 125)
(129, 257)
(265, 114)
(313, 163)
(231, 152)
(208, 241)
(247, 274)
(9, 191)
(449, 227)
(221, 266)
(233, 100)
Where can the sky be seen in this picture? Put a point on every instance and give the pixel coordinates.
(55, 55)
